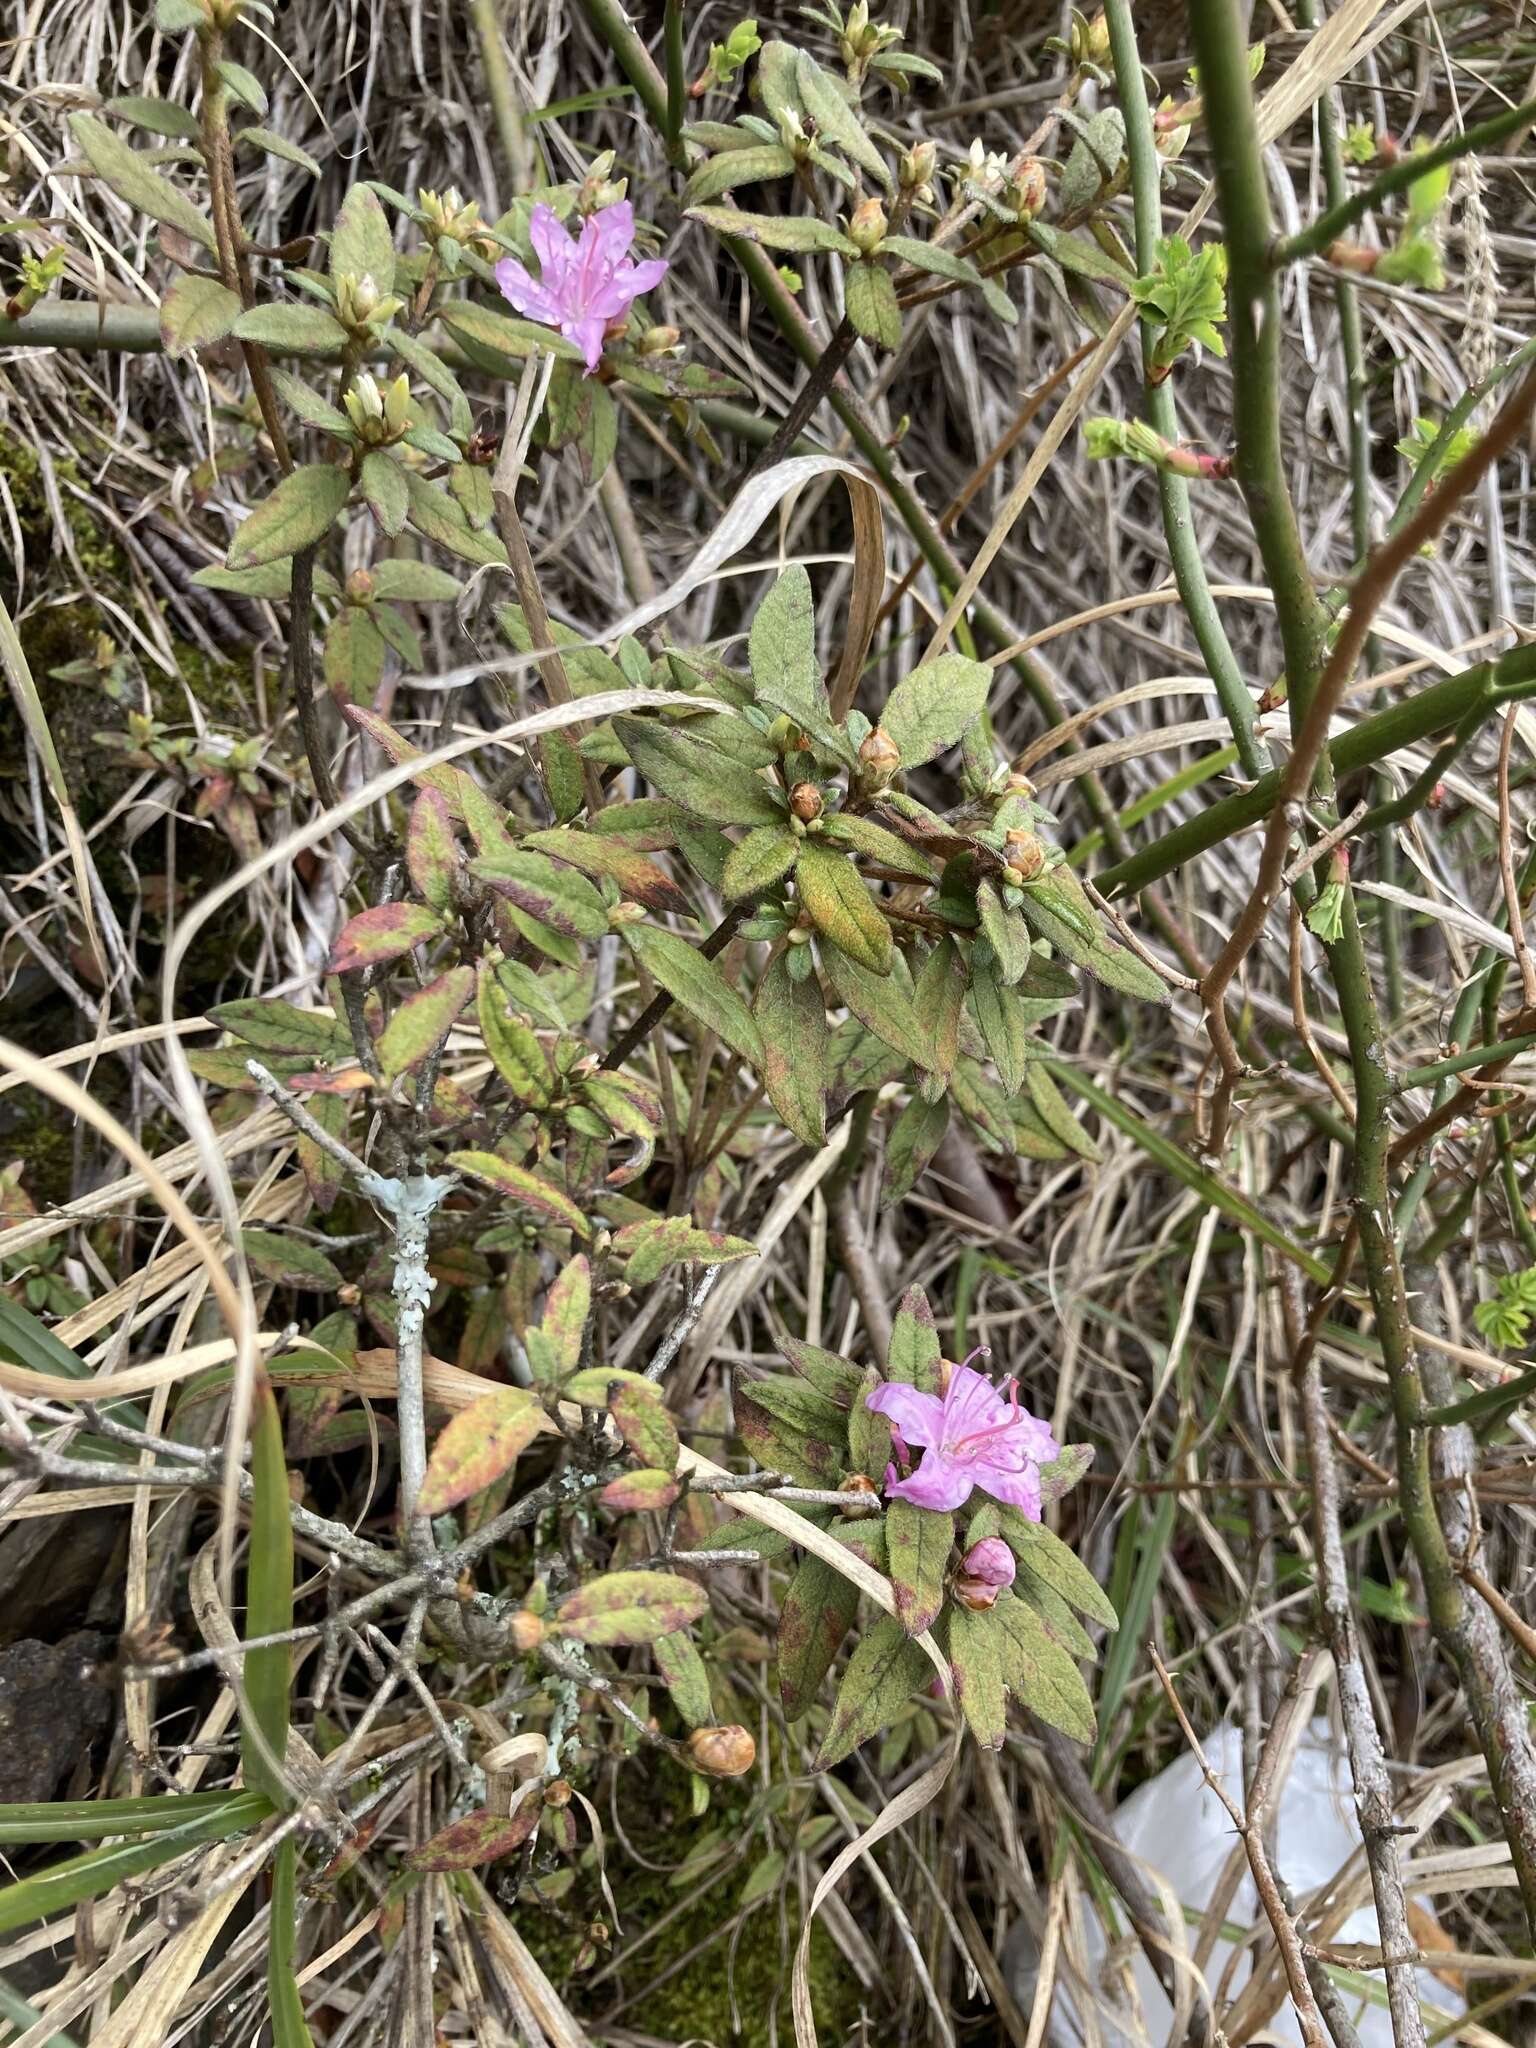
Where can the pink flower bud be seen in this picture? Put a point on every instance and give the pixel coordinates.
(991, 1561)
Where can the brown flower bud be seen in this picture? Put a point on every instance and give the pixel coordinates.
(867, 225)
(359, 587)
(722, 1752)
(973, 1594)
(879, 755)
(527, 1631)
(557, 1793)
(805, 801)
(1026, 856)
(868, 1502)
(1027, 191)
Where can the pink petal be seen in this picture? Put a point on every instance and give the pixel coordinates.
(524, 293)
(551, 243)
(971, 1403)
(609, 299)
(647, 275)
(587, 333)
(919, 1417)
(611, 231)
(939, 1483)
(1016, 1489)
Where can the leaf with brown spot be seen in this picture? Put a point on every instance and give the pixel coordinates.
(814, 1616)
(478, 1839)
(640, 1416)
(382, 933)
(634, 1492)
(626, 1608)
(609, 858)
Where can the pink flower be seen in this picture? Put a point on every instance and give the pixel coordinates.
(584, 284)
(973, 1436)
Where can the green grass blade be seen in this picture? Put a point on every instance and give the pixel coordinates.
(98, 1870)
(284, 2005)
(268, 1603)
(86, 1820)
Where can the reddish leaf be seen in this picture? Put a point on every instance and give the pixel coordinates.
(524, 1187)
(641, 1418)
(383, 933)
(479, 1838)
(566, 1308)
(632, 1492)
(630, 1607)
(478, 1445)
(430, 853)
(424, 1020)
(599, 855)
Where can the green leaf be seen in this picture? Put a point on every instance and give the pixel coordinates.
(841, 907)
(277, 145)
(482, 1442)
(1038, 1671)
(781, 649)
(132, 179)
(195, 311)
(353, 655)
(514, 1049)
(815, 1615)
(798, 233)
(877, 844)
(976, 1658)
(915, 1136)
(683, 1674)
(1002, 1017)
(498, 343)
(939, 999)
(1006, 933)
(918, 1543)
(423, 1021)
(936, 706)
(698, 777)
(302, 510)
(160, 117)
(414, 582)
(1079, 254)
(792, 1019)
(292, 330)
(625, 1608)
(880, 1005)
(835, 1377)
(244, 86)
(883, 1673)
(938, 261)
(546, 1201)
(915, 1354)
(289, 1261)
(755, 863)
(310, 406)
(827, 100)
(700, 986)
(269, 1022)
(1059, 1119)
(737, 167)
(361, 243)
(869, 297)
(383, 483)
(85, 1820)
(1045, 1557)
(441, 520)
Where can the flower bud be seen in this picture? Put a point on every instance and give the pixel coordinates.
(985, 1570)
(557, 1793)
(357, 298)
(917, 167)
(360, 587)
(797, 936)
(805, 801)
(1026, 190)
(1025, 856)
(659, 341)
(527, 1631)
(723, 1752)
(1018, 783)
(879, 756)
(599, 188)
(868, 1502)
(867, 226)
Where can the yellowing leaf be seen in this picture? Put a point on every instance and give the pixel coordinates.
(482, 1442)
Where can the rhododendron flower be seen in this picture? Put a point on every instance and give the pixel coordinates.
(972, 1436)
(585, 283)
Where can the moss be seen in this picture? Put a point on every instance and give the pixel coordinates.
(695, 2003)
(44, 1144)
